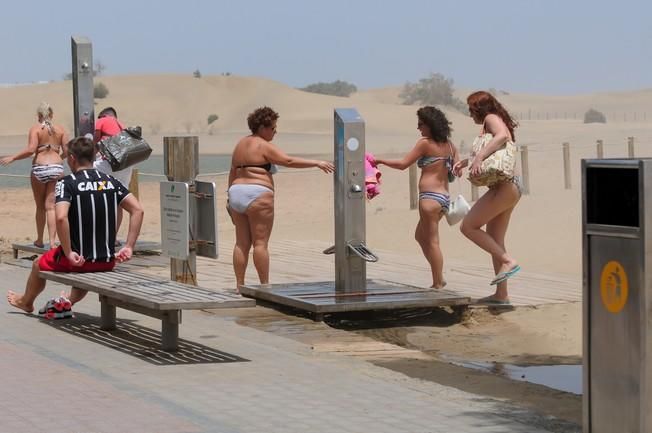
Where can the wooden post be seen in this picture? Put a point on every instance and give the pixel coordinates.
(181, 159)
(525, 169)
(414, 189)
(600, 148)
(133, 183)
(567, 169)
(630, 147)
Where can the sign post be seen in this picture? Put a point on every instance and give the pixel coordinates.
(188, 210)
(181, 159)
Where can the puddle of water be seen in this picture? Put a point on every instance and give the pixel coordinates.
(566, 378)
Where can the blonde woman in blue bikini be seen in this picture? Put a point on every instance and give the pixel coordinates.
(495, 207)
(435, 155)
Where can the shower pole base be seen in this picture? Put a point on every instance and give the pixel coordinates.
(320, 298)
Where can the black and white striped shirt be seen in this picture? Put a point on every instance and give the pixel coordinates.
(94, 198)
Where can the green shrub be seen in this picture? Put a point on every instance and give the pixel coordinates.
(336, 88)
(212, 118)
(100, 91)
(594, 116)
(433, 90)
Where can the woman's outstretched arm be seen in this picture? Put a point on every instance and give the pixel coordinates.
(276, 156)
(409, 158)
(32, 144)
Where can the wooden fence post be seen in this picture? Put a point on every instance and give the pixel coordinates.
(567, 168)
(600, 148)
(525, 168)
(414, 190)
(133, 183)
(630, 147)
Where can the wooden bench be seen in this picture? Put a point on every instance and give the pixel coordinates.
(31, 248)
(149, 295)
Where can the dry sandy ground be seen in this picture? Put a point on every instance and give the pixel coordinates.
(545, 232)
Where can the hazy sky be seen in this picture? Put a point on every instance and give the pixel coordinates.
(552, 46)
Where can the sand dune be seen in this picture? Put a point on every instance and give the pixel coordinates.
(180, 105)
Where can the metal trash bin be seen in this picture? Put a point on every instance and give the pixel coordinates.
(617, 250)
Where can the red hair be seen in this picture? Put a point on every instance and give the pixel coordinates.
(482, 103)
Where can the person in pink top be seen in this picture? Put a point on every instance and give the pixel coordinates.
(108, 125)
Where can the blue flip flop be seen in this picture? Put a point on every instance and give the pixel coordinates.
(505, 275)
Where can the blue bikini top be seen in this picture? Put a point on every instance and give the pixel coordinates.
(425, 161)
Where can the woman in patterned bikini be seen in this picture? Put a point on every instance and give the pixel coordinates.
(494, 209)
(435, 155)
(47, 145)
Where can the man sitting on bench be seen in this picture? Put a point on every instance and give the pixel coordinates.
(86, 207)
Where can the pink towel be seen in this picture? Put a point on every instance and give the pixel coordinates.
(371, 176)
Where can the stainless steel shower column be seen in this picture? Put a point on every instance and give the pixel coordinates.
(82, 85)
(351, 253)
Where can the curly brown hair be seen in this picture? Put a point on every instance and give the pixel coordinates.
(438, 124)
(482, 103)
(261, 117)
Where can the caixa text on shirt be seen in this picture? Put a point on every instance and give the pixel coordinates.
(99, 185)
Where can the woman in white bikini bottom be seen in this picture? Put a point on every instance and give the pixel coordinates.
(241, 195)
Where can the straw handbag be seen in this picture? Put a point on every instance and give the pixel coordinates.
(497, 167)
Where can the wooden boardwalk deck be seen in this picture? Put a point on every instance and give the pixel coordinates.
(303, 261)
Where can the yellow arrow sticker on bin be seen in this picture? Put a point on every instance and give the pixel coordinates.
(614, 286)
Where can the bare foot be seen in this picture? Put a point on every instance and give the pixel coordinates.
(17, 301)
(439, 286)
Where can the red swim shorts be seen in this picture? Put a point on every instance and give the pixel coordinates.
(55, 260)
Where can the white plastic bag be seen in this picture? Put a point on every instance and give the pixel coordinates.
(457, 210)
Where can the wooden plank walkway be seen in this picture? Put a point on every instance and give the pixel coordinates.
(303, 261)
